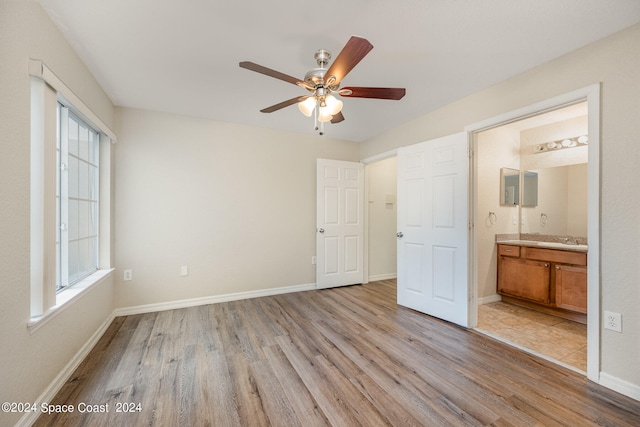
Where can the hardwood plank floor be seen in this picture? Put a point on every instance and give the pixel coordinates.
(344, 357)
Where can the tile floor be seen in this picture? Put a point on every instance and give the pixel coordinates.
(553, 337)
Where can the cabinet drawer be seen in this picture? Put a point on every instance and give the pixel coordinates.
(509, 250)
(551, 255)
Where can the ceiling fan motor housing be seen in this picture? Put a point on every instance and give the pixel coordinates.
(315, 77)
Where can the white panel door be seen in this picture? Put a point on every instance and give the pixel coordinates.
(340, 223)
(433, 232)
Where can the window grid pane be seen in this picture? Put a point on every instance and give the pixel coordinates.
(78, 199)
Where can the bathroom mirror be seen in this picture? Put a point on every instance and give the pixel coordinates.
(509, 187)
(562, 202)
(529, 189)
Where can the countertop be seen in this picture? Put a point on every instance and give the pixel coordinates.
(547, 245)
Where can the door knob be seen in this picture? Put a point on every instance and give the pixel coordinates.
(399, 234)
(321, 230)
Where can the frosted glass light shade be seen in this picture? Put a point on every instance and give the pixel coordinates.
(333, 105)
(324, 115)
(306, 107)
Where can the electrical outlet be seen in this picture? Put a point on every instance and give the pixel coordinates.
(313, 260)
(184, 270)
(613, 321)
(127, 275)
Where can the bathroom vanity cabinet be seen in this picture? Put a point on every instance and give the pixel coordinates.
(549, 280)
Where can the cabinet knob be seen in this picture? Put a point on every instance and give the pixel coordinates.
(557, 267)
(546, 264)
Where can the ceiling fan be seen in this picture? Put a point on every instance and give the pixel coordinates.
(323, 83)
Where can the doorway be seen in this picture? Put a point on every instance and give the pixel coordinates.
(591, 95)
(551, 181)
(484, 217)
(381, 217)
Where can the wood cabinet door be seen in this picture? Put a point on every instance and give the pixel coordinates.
(524, 278)
(571, 287)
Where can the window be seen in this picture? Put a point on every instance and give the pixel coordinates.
(71, 187)
(77, 151)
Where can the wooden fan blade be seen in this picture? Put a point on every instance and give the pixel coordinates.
(283, 104)
(337, 118)
(269, 72)
(375, 92)
(352, 53)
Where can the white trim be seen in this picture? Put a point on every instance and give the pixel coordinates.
(591, 94)
(54, 387)
(528, 350)
(383, 277)
(193, 302)
(594, 289)
(42, 210)
(66, 297)
(536, 109)
(621, 386)
(382, 156)
(367, 161)
(38, 69)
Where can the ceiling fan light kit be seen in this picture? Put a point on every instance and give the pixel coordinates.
(324, 83)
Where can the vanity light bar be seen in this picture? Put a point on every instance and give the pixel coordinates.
(561, 144)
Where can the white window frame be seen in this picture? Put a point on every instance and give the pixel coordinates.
(46, 90)
(84, 223)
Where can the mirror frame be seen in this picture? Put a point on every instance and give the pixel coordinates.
(529, 189)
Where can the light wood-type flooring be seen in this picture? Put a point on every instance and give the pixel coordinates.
(343, 357)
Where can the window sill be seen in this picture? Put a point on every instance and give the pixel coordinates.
(66, 297)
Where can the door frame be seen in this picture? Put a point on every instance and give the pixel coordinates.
(367, 161)
(590, 94)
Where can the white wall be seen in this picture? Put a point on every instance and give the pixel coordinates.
(562, 196)
(577, 217)
(236, 204)
(29, 362)
(496, 148)
(382, 180)
(554, 132)
(613, 61)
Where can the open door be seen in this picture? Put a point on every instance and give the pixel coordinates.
(340, 223)
(433, 228)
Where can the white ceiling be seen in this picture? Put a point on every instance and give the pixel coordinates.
(181, 56)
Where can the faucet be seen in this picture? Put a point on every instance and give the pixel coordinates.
(567, 241)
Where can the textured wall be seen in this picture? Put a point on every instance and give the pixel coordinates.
(30, 362)
(613, 61)
(235, 204)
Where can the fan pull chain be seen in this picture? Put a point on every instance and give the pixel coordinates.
(315, 115)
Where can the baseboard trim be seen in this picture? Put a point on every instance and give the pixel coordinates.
(193, 302)
(54, 387)
(621, 386)
(489, 299)
(382, 277)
